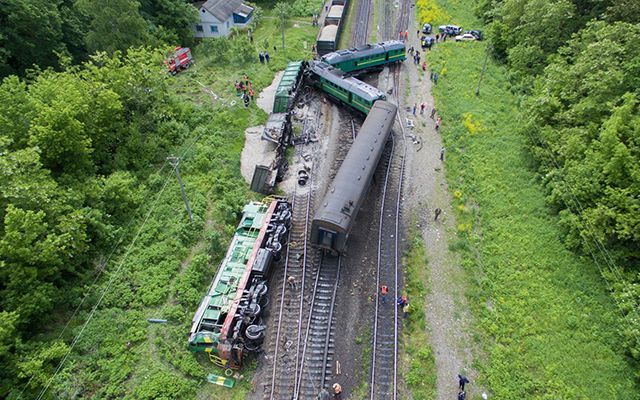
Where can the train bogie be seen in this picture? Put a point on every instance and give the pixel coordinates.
(333, 222)
(228, 322)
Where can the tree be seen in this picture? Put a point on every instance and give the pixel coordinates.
(114, 25)
(30, 33)
(281, 10)
(584, 119)
(176, 17)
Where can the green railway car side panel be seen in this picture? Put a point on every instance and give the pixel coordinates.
(345, 96)
(286, 86)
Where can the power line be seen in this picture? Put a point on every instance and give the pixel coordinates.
(116, 273)
(617, 275)
(104, 292)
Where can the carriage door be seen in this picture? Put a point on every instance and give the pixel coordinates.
(326, 238)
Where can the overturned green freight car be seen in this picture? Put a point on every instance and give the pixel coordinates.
(228, 323)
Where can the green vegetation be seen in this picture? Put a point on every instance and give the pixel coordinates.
(418, 361)
(347, 26)
(89, 207)
(56, 33)
(545, 319)
(365, 340)
(581, 91)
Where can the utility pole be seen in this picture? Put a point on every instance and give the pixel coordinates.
(175, 162)
(484, 67)
(282, 11)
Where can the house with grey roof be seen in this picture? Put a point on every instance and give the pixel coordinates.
(217, 17)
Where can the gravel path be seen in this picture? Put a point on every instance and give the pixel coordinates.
(446, 310)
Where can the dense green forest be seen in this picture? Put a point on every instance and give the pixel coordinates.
(576, 64)
(60, 32)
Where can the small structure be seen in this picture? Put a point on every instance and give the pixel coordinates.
(217, 17)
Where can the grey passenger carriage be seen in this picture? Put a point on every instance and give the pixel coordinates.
(334, 220)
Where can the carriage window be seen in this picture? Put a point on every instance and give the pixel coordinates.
(327, 238)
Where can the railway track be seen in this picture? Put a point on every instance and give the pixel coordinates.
(359, 35)
(318, 350)
(384, 364)
(285, 344)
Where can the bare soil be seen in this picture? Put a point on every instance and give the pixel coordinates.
(255, 152)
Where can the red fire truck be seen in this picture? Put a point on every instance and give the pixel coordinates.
(179, 60)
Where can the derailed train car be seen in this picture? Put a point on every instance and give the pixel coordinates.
(228, 323)
(367, 57)
(333, 221)
(347, 90)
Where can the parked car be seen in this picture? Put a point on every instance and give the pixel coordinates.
(478, 34)
(465, 37)
(427, 41)
(426, 29)
(450, 29)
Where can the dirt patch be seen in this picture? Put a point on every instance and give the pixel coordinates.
(268, 94)
(255, 152)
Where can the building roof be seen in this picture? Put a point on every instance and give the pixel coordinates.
(244, 10)
(223, 9)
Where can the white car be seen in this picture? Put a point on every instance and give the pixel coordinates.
(465, 37)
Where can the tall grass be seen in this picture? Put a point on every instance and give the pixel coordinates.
(418, 361)
(545, 321)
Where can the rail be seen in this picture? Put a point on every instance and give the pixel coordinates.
(384, 364)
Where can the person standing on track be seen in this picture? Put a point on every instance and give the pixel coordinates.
(291, 281)
(384, 290)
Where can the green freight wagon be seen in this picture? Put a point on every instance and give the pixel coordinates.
(288, 87)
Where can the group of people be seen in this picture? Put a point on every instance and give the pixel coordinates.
(403, 301)
(433, 115)
(264, 57)
(415, 53)
(404, 36)
(244, 89)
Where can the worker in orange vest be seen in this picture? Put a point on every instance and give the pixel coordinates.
(384, 290)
